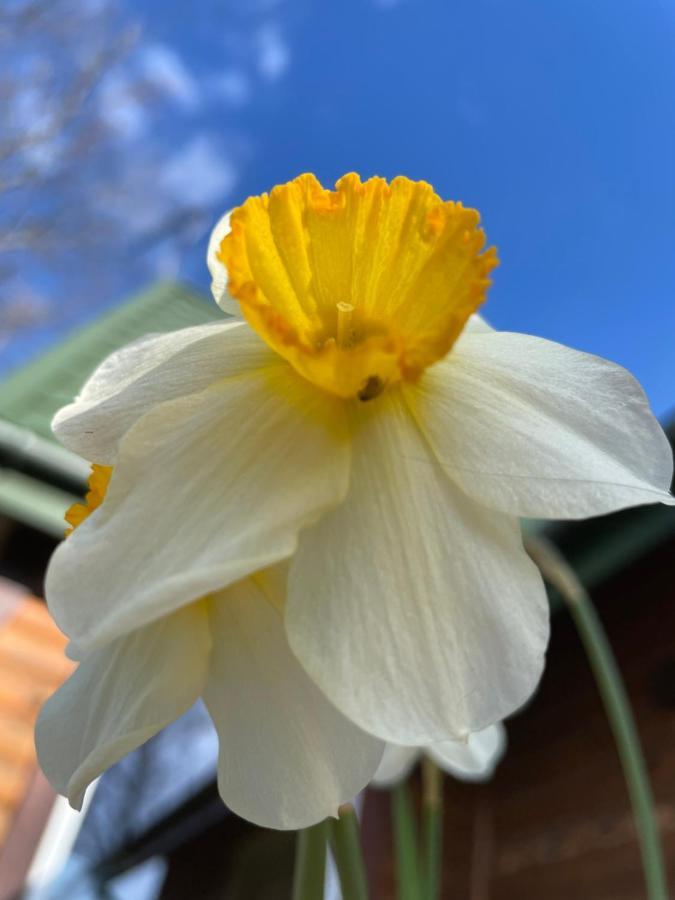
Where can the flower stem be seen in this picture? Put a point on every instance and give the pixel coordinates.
(560, 575)
(345, 841)
(432, 827)
(405, 844)
(310, 862)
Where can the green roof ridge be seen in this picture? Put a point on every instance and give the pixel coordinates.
(30, 395)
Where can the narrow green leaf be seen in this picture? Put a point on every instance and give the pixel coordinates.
(310, 862)
(405, 844)
(345, 841)
(562, 577)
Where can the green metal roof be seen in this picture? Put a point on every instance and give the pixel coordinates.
(30, 397)
(39, 478)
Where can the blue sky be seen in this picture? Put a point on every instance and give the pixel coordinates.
(553, 119)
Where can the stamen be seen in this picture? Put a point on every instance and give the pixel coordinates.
(345, 337)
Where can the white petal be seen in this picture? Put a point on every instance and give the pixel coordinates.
(474, 759)
(120, 696)
(397, 763)
(218, 270)
(150, 371)
(206, 490)
(288, 758)
(476, 325)
(532, 428)
(415, 610)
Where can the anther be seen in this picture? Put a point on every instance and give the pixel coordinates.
(371, 389)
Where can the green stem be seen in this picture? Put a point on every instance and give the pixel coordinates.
(560, 575)
(345, 841)
(310, 862)
(405, 844)
(432, 827)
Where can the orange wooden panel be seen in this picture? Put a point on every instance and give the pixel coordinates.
(32, 665)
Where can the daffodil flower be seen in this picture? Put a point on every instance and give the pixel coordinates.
(473, 759)
(362, 428)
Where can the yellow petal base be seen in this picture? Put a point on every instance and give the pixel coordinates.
(360, 287)
(98, 485)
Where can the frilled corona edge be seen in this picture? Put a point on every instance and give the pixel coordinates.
(98, 481)
(360, 287)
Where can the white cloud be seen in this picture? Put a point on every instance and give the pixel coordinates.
(132, 200)
(199, 173)
(120, 107)
(31, 119)
(274, 55)
(29, 110)
(233, 86)
(164, 260)
(163, 67)
(124, 104)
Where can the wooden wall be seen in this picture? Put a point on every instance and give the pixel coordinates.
(555, 822)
